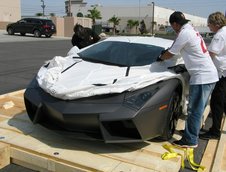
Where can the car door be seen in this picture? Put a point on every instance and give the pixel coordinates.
(20, 25)
(30, 25)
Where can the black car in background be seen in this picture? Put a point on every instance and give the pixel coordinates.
(35, 26)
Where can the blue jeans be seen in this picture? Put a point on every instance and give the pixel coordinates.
(198, 99)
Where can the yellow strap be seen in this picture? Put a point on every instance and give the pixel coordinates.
(172, 154)
(188, 154)
(190, 157)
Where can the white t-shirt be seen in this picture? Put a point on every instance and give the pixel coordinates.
(218, 47)
(198, 62)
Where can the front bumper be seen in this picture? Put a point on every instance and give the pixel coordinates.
(104, 116)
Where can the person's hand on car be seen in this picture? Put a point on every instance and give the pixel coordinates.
(159, 59)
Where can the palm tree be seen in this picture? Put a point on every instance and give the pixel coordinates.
(143, 28)
(94, 14)
(136, 24)
(52, 14)
(132, 23)
(38, 14)
(115, 20)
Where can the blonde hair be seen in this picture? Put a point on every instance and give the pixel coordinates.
(217, 19)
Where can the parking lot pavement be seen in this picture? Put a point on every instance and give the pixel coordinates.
(20, 61)
(4, 37)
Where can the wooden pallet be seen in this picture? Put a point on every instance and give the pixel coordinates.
(219, 162)
(214, 157)
(38, 148)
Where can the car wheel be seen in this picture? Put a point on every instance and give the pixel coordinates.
(10, 31)
(23, 34)
(48, 35)
(37, 33)
(173, 113)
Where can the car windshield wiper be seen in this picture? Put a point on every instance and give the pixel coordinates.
(101, 61)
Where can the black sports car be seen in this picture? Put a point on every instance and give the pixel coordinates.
(114, 89)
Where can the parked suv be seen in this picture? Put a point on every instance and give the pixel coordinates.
(35, 26)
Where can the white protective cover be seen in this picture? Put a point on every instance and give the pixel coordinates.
(85, 79)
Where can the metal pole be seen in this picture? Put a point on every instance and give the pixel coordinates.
(139, 10)
(153, 13)
(69, 8)
(43, 7)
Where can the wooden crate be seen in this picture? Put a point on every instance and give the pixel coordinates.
(38, 148)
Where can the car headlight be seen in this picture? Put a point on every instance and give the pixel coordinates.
(137, 100)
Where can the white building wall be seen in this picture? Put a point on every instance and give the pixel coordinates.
(162, 17)
(10, 11)
(125, 13)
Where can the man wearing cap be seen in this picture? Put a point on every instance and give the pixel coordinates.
(202, 71)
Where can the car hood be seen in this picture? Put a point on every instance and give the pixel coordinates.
(69, 78)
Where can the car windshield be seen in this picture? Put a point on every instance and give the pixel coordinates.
(121, 53)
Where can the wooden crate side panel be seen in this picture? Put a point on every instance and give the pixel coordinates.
(4, 155)
(219, 164)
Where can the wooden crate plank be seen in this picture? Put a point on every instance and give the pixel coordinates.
(33, 151)
(18, 93)
(4, 155)
(41, 163)
(219, 164)
(209, 154)
(16, 99)
(223, 163)
(44, 141)
(122, 167)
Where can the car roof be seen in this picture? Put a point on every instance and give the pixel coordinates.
(36, 19)
(142, 40)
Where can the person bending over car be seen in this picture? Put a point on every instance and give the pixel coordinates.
(83, 36)
(202, 71)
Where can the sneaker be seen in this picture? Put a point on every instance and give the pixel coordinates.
(181, 143)
(209, 135)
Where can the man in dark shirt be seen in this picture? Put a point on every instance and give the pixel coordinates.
(83, 36)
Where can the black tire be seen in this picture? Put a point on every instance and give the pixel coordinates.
(48, 35)
(37, 33)
(10, 31)
(22, 34)
(173, 113)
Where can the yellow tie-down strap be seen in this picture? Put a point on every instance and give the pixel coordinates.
(188, 154)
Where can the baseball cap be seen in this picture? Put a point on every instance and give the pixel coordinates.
(178, 17)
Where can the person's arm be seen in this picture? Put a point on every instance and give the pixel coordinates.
(176, 47)
(216, 46)
(166, 55)
(96, 37)
(213, 55)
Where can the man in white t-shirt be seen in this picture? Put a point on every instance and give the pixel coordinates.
(217, 50)
(202, 71)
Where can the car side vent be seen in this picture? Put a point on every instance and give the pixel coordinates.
(115, 130)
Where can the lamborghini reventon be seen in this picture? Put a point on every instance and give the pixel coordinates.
(114, 90)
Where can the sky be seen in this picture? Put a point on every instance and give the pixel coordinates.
(200, 8)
